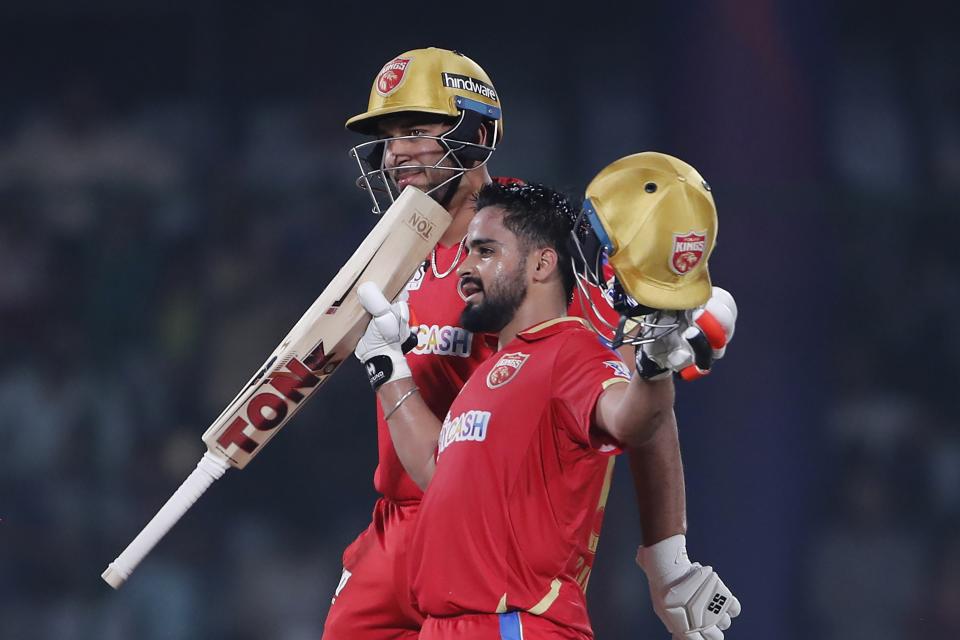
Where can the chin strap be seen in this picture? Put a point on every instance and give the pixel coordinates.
(449, 190)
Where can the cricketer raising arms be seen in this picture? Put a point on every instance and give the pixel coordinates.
(517, 472)
(436, 120)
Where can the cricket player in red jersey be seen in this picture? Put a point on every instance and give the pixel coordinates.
(519, 468)
(436, 118)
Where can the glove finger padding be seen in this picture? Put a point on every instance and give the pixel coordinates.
(387, 334)
(372, 299)
(690, 599)
(698, 602)
(391, 320)
(703, 354)
(724, 623)
(701, 338)
(734, 609)
(717, 319)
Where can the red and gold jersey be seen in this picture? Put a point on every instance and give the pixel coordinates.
(445, 356)
(446, 353)
(512, 516)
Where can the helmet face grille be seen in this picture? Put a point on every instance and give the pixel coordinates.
(459, 156)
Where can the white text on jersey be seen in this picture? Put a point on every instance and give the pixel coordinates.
(444, 341)
(468, 426)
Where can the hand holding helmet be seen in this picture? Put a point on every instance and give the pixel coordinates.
(652, 226)
(700, 339)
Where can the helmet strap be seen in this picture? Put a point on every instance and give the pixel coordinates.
(450, 189)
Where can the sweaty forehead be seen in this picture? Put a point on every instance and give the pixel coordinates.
(388, 125)
(487, 224)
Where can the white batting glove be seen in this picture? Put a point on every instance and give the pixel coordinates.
(690, 599)
(387, 337)
(701, 339)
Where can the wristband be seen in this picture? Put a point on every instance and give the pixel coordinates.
(664, 561)
(379, 369)
(409, 393)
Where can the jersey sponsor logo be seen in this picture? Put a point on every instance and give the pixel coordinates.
(443, 341)
(466, 83)
(687, 251)
(506, 369)
(414, 283)
(619, 368)
(392, 75)
(469, 426)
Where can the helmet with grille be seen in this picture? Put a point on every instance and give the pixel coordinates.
(437, 84)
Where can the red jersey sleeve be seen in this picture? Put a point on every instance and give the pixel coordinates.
(596, 309)
(584, 369)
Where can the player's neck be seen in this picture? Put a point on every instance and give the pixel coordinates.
(462, 207)
(537, 307)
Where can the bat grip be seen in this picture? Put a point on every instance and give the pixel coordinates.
(211, 467)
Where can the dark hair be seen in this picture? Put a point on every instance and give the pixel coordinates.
(539, 216)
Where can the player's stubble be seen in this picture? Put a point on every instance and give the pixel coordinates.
(499, 304)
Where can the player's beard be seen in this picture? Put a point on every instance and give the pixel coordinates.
(499, 304)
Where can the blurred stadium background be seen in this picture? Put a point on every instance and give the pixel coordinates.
(175, 191)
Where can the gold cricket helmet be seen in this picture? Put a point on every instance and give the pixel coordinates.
(434, 81)
(656, 218)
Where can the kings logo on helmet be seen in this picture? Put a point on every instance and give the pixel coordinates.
(687, 251)
(392, 75)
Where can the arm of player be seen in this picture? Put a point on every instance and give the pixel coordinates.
(413, 427)
(657, 476)
(632, 413)
(657, 471)
(690, 599)
(656, 463)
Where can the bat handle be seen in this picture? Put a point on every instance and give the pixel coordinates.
(211, 467)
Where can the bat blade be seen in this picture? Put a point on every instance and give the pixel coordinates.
(329, 331)
(311, 352)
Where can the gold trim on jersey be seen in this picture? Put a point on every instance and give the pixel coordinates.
(612, 381)
(585, 570)
(584, 576)
(602, 503)
(541, 607)
(549, 323)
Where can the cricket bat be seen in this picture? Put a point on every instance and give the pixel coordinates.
(319, 342)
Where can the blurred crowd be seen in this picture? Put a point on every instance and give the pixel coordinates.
(883, 557)
(149, 259)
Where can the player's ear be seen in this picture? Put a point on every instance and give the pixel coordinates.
(546, 261)
(482, 135)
